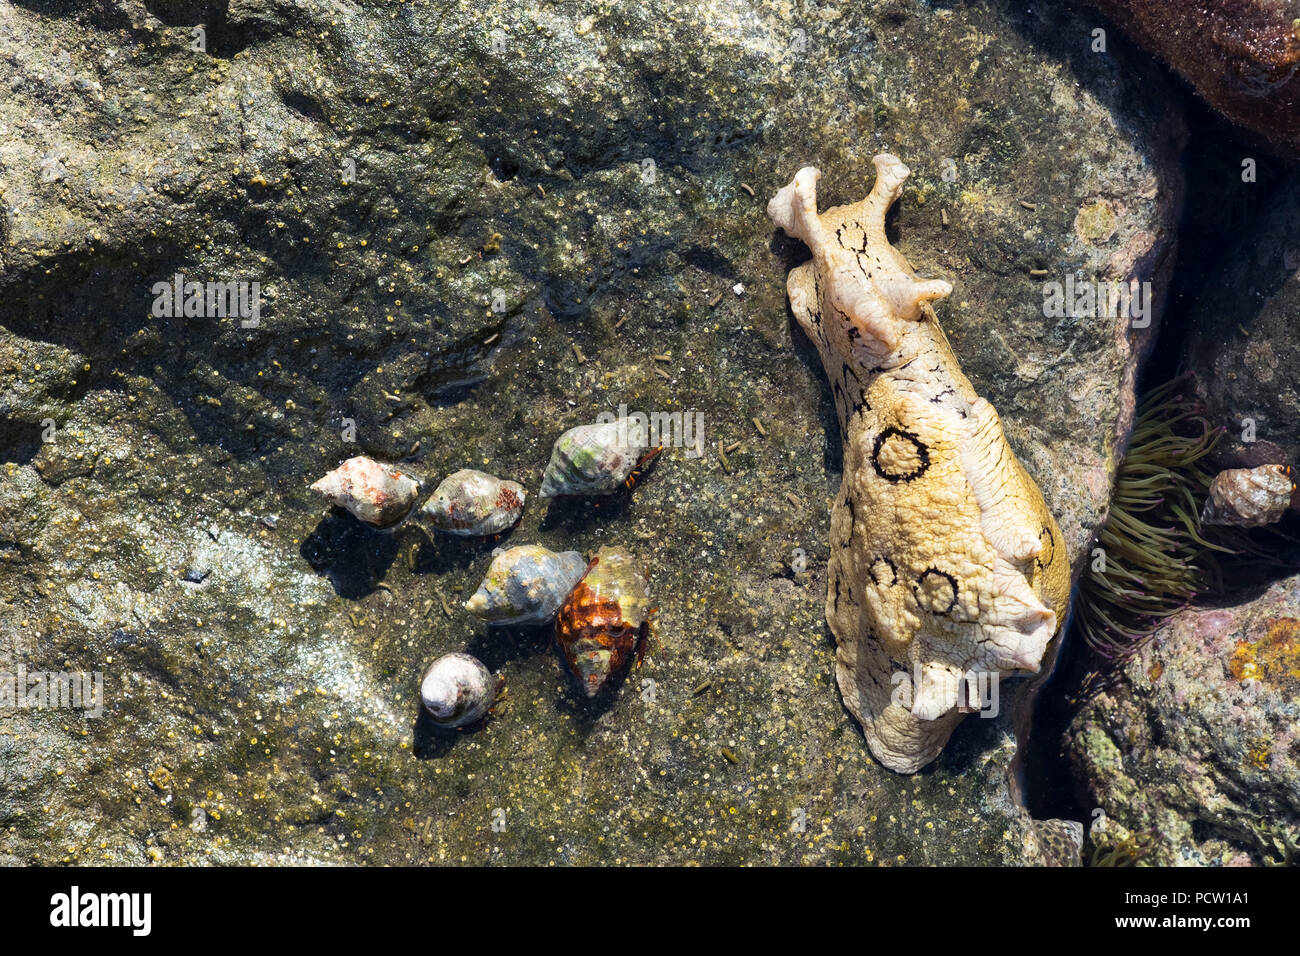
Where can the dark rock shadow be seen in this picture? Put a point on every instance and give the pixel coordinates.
(432, 742)
(974, 738)
(352, 555)
(575, 514)
(440, 552)
(496, 646)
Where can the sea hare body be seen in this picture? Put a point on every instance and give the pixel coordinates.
(946, 568)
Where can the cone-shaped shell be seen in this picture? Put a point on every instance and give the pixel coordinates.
(473, 502)
(1249, 497)
(605, 619)
(526, 585)
(457, 690)
(595, 459)
(377, 494)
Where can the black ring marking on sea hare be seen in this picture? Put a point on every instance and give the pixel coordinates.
(1049, 550)
(922, 453)
(920, 582)
(892, 570)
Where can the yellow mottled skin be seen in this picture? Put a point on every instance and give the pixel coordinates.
(945, 561)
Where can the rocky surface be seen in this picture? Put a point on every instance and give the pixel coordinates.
(473, 229)
(1196, 748)
(1241, 55)
(1243, 339)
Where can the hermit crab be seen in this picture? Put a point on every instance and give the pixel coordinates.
(526, 585)
(605, 620)
(1249, 497)
(470, 502)
(377, 494)
(598, 459)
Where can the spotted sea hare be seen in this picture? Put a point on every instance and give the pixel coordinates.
(947, 571)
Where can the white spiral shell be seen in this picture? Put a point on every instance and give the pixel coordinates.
(595, 459)
(1249, 497)
(377, 494)
(457, 690)
(470, 502)
(526, 585)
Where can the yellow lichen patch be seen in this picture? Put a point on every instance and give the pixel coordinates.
(1259, 753)
(1273, 658)
(1096, 221)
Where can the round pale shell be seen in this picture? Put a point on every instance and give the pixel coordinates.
(377, 494)
(526, 585)
(1249, 497)
(605, 618)
(457, 690)
(473, 502)
(594, 459)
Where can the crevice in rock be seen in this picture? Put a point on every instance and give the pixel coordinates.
(19, 441)
(1220, 206)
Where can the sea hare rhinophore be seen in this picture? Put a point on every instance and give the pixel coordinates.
(946, 567)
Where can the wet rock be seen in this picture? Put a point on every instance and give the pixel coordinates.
(1241, 55)
(1197, 746)
(437, 207)
(1244, 344)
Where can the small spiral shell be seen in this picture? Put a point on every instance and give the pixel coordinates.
(526, 585)
(377, 494)
(605, 620)
(470, 502)
(1249, 497)
(595, 459)
(457, 690)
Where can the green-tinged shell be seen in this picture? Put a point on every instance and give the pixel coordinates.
(605, 619)
(470, 502)
(526, 585)
(595, 459)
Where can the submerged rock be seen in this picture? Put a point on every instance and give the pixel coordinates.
(1197, 747)
(438, 206)
(1241, 55)
(1244, 343)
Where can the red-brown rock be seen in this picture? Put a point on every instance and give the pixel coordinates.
(1242, 56)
